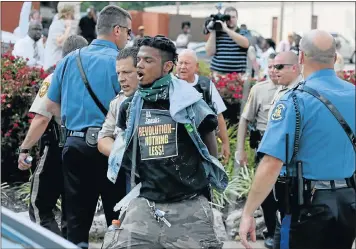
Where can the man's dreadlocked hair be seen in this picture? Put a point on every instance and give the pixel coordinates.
(166, 47)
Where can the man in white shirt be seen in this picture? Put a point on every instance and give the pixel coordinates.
(285, 45)
(27, 15)
(186, 69)
(31, 46)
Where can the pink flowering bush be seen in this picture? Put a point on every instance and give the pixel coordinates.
(19, 86)
(230, 87)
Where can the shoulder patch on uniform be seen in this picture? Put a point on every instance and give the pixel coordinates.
(278, 112)
(44, 88)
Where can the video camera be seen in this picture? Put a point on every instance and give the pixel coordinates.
(211, 23)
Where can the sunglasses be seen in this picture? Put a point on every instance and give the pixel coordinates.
(281, 66)
(128, 30)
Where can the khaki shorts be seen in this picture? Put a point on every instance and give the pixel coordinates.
(191, 226)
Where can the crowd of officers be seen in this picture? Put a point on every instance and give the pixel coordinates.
(89, 109)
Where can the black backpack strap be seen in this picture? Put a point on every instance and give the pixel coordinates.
(205, 86)
(87, 85)
(334, 111)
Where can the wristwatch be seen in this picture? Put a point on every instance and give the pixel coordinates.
(20, 150)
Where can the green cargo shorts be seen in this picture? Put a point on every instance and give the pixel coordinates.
(191, 226)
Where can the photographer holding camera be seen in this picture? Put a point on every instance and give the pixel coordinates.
(227, 43)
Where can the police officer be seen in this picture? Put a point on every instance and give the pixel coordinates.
(83, 85)
(186, 69)
(126, 63)
(256, 110)
(320, 152)
(287, 71)
(47, 180)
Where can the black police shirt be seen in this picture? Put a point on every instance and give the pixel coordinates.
(168, 163)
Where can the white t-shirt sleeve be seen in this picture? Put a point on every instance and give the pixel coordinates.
(217, 100)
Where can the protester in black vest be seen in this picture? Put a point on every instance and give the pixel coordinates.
(186, 68)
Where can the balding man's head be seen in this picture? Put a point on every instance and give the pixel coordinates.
(187, 65)
(287, 57)
(318, 47)
(286, 67)
(35, 30)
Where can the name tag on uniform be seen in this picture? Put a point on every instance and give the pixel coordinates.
(157, 134)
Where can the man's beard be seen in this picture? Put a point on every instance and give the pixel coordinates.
(36, 38)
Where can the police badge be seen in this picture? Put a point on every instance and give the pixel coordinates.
(278, 112)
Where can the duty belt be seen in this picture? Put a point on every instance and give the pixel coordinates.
(328, 185)
(76, 134)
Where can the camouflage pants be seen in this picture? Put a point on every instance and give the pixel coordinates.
(191, 226)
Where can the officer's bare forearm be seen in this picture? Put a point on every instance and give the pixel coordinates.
(241, 134)
(105, 145)
(37, 128)
(210, 45)
(265, 178)
(210, 141)
(238, 39)
(222, 134)
(53, 107)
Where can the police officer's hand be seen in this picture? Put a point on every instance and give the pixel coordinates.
(22, 165)
(225, 152)
(247, 226)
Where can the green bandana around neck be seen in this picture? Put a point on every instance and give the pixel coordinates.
(158, 90)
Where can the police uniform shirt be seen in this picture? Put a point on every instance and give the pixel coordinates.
(325, 149)
(259, 103)
(281, 91)
(78, 109)
(109, 128)
(215, 96)
(39, 104)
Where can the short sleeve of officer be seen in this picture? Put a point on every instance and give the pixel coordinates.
(109, 126)
(282, 122)
(54, 90)
(39, 104)
(251, 106)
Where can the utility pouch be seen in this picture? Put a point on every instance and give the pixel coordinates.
(91, 136)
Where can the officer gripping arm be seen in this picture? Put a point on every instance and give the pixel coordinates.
(43, 116)
(273, 145)
(126, 62)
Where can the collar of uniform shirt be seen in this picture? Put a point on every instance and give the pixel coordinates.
(321, 73)
(105, 43)
(294, 82)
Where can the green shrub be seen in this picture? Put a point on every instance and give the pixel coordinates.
(240, 181)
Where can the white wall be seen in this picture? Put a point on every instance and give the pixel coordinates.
(332, 16)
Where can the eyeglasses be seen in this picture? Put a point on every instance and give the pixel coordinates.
(281, 66)
(128, 30)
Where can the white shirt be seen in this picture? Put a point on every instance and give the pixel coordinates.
(263, 61)
(25, 48)
(283, 46)
(183, 40)
(53, 52)
(215, 96)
